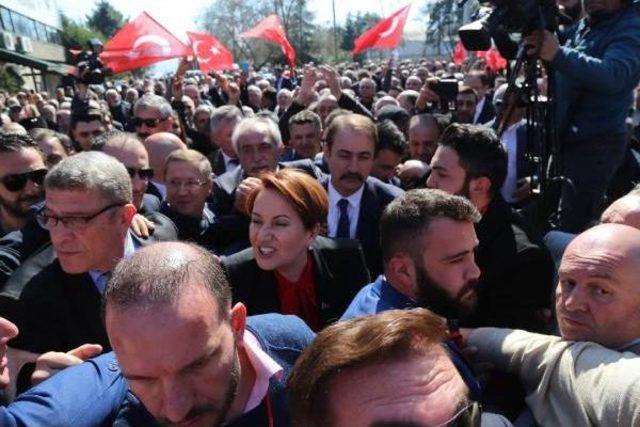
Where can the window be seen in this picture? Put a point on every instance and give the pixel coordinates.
(7, 24)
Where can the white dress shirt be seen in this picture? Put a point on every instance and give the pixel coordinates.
(479, 107)
(509, 140)
(334, 211)
(100, 278)
(229, 162)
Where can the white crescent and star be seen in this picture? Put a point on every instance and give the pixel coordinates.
(214, 50)
(392, 28)
(153, 39)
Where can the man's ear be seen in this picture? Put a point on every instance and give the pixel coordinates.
(238, 320)
(402, 269)
(480, 186)
(128, 212)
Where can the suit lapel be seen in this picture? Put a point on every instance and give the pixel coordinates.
(366, 216)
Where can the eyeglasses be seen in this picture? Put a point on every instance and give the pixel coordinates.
(190, 185)
(144, 174)
(16, 182)
(150, 123)
(71, 222)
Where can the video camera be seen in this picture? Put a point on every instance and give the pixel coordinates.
(90, 68)
(506, 17)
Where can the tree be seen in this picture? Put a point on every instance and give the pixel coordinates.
(10, 80)
(76, 36)
(105, 19)
(225, 19)
(444, 18)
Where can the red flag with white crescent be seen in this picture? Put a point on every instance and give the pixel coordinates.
(271, 29)
(385, 34)
(140, 43)
(210, 53)
(459, 54)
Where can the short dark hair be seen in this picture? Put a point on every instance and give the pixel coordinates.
(306, 117)
(154, 276)
(391, 138)
(468, 90)
(388, 336)
(480, 152)
(11, 142)
(411, 214)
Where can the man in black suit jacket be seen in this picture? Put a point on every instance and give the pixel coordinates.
(257, 141)
(339, 273)
(516, 269)
(356, 200)
(56, 294)
(221, 154)
(485, 110)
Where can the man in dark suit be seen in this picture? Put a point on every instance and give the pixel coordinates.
(56, 294)
(257, 141)
(485, 110)
(159, 146)
(516, 270)
(356, 200)
(222, 155)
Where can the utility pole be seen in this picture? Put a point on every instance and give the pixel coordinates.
(335, 33)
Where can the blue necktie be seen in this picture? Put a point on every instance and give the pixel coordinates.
(343, 221)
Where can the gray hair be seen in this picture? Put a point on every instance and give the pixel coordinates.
(222, 115)
(92, 170)
(203, 108)
(150, 101)
(159, 274)
(413, 212)
(256, 124)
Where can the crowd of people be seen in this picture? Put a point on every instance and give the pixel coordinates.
(341, 245)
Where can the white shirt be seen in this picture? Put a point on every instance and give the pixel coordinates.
(229, 162)
(334, 211)
(479, 107)
(510, 142)
(100, 278)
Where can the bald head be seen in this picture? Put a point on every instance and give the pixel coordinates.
(157, 275)
(159, 146)
(598, 295)
(625, 210)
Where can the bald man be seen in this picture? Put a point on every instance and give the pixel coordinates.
(159, 146)
(568, 380)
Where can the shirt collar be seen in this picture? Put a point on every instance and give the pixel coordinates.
(97, 276)
(265, 368)
(628, 346)
(335, 197)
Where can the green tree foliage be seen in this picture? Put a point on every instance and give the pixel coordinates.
(443, 18)
(105, 19)
(10, 80)
(225, 19)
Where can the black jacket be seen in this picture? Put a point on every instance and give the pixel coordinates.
(488, 112)
(58, 311)
(205, 231)
(339, 273)
(375, 198)
(516, 271)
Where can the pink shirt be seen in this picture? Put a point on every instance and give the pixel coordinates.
(265, 368)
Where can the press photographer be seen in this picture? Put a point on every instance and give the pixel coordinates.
(597, 64)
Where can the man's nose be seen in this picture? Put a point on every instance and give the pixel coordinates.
(177, 402)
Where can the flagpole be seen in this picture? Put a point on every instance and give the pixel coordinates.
(335, 33)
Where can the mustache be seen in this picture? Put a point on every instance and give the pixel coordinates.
(352, 175)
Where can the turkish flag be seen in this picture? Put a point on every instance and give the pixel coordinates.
(271, 29)
(459, 54)
(210, 53)
(140, 43)
(385, 34)
(494, 60)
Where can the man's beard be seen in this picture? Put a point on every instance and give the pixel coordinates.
(222, 409)
(432, 296)
(20, 208)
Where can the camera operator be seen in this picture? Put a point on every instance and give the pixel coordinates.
(598, 66)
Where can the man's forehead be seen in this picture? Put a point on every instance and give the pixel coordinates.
(148, 113)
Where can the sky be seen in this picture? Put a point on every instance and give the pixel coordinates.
(180, 16)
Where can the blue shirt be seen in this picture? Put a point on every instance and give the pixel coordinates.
(377, 297)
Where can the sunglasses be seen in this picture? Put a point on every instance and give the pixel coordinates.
(150, 123)
(144, 174)
(16, 182)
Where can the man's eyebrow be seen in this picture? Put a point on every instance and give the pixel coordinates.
(457, 255)
(189, 365)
